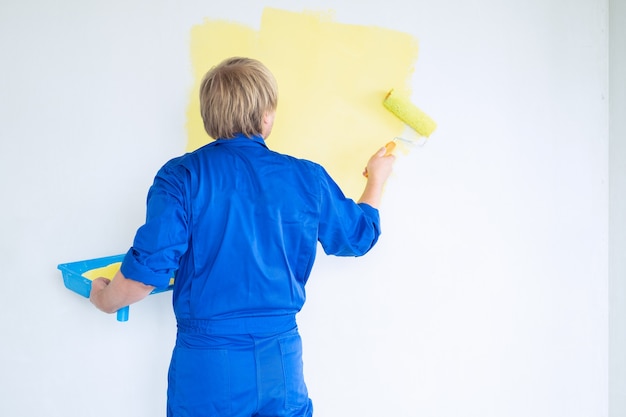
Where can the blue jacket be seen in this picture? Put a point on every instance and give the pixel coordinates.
(238, 225)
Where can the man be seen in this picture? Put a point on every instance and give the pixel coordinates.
(238, 225)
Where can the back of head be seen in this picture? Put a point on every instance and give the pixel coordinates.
(234, 97)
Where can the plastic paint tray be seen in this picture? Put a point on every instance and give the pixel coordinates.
(74, 280)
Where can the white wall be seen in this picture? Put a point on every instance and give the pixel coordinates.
(488, 292)
(617, 210)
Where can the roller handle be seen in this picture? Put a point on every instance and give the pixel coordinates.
(389, 147)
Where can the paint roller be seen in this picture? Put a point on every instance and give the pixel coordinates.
(412, 116)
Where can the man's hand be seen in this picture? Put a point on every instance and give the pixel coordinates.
(377, 171)
(99, 284)
(111, 295)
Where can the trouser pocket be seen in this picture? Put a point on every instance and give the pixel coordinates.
(296, 395)
(198, 383)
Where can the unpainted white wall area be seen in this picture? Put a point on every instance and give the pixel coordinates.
(617, 210)
(488, 293)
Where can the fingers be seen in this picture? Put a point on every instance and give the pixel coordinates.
(381, 152)
(100, 283)
(381, 161)
(389, 148)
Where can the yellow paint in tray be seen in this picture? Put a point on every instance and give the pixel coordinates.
(107, 271)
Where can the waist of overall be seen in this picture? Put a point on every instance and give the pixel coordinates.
(239, 325)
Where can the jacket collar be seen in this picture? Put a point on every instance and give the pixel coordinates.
(241, 139)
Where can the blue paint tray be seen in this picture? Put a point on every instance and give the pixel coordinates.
(74, 280)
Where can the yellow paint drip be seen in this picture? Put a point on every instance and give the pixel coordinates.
(332, 78)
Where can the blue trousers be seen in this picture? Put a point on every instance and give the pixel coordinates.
(237, 375)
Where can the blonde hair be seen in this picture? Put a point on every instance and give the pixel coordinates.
(234, 97)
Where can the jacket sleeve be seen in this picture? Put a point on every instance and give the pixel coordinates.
(346, 228)
(164, 238)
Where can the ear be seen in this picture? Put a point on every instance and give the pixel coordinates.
(268, 117)
(268, 123)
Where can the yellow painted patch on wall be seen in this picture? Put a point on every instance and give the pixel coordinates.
(332, 80)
